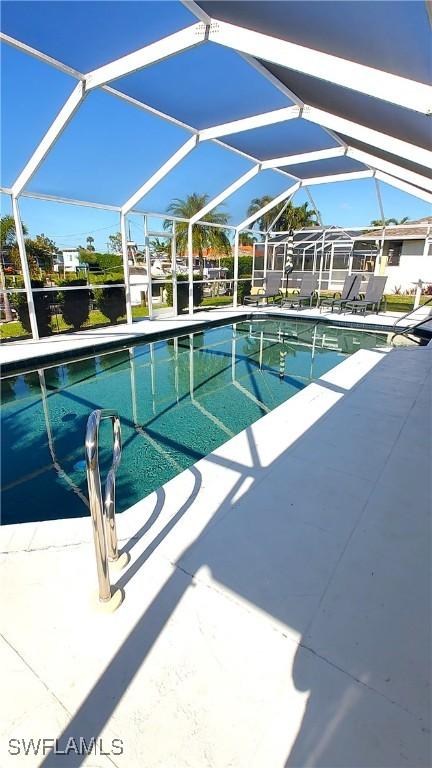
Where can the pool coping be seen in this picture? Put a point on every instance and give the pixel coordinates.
(82, 344)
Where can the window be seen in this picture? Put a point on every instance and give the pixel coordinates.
(394, 253)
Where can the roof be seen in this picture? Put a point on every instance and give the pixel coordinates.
(333, 98)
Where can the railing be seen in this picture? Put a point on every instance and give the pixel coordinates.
(410, 328)
(102, 509)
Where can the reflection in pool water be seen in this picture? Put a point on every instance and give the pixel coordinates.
(177, 400)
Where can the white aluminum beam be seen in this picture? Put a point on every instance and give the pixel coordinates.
(315, 207)
(305, 157)
(247, 123)
(394, 170)
(348, 74)
(126, 274)
(404, 187)
(158, 51)
(174, 160)
(338, 177)
(56, 129)
(41, 56)
(369, 136)
(226, 193)
(25, 268)
(283, 196)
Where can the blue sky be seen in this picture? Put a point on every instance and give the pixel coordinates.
(111, 148)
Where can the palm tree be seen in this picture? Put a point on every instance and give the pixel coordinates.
(297, 217)
(386, 222)
(203, 238)
(90, 241)
(293, 217)
(246, 238)
(7, 241)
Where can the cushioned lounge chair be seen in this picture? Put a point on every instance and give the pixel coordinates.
(271, 290)
(350, 292)
(373, 296)
(307, 291)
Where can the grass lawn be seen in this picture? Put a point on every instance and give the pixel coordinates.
(15, 330)
(215, 301)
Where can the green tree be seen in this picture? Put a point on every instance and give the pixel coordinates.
(293, 217)
(246, 238)
(386, 222)
(114, 243)
(160, 246)
(297, 217)
(203, 238)
(7, 243)
(90, 241)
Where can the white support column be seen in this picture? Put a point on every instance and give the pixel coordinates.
(148, 267)
(253, 265)
(321, 263)
(126, 268)
(174, 267)
(236, 264)
(331, 264)
(379, 258)
(190, 267)
(265, 261)
(25, 269)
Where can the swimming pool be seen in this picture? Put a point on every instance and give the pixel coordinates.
(178, 400)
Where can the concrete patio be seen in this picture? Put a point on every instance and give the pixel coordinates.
(277, 603)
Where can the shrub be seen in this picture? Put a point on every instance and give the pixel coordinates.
(42, 301)
(243, 289)
(111, 301)
(75, 305)
(110, 277)
(109, 261)
(244, 266)
(183, 292)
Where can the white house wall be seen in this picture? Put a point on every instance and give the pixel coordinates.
(413, 265)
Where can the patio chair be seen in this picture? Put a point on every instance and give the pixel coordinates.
(308, 289)
(373, 296)
(271, 291)
(350, 292)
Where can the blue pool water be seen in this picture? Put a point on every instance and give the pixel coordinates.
(177, 399)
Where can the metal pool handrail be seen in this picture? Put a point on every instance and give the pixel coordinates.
(410, 328)
(102, 510)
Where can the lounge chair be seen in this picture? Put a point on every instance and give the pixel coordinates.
(308, 289)
(350, 292)
(373, 296)
(271, 291)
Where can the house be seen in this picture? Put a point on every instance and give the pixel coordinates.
(407, 254)
(403, 253)
(67, 261)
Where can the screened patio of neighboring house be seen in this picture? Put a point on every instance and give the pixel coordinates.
(309, 109)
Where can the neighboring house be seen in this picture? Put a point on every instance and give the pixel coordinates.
(407, 254)
(404, 255)
(67, 261)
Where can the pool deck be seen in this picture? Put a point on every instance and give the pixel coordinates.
(277, 603)
(27, 354)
